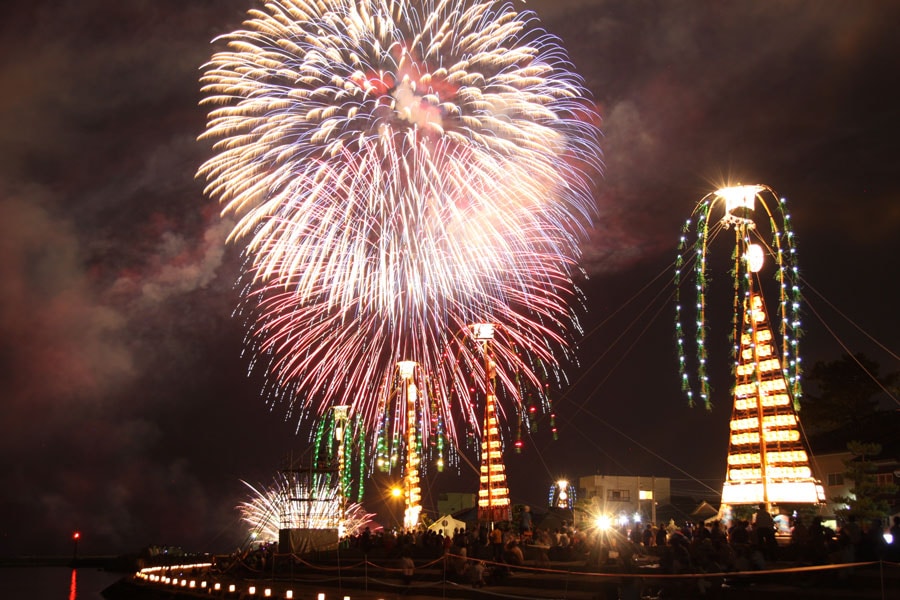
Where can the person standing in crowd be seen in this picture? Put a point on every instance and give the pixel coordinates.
(496, 537)
(764, 529)
(407, 569)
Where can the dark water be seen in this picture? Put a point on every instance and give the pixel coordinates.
(54, 583)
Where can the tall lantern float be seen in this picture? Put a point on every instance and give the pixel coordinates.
(768, 462)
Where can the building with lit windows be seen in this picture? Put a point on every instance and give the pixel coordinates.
(622, 496)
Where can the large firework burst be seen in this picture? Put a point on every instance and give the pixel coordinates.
(399, 171)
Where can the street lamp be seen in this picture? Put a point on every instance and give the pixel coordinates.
(75, 537)
(396, 493)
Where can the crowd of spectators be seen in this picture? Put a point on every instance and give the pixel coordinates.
(489, 555)
(741, 545)
(746, 545)
(484, 555)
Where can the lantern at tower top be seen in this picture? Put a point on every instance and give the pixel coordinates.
(762, 236)
(740, 202)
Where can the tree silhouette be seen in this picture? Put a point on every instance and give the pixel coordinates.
(846, 393)
(868, 498)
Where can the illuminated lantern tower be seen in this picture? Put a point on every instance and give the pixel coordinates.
(493, 495)
(767, 459)
(562, 495)
(340, 426)
(411, 491)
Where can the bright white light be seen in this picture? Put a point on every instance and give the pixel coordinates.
(603, 522)
(739, 196)
(406, 368)
(340, 420)
(483, 331)
(754, 257)
(751, 493)
(411, 516)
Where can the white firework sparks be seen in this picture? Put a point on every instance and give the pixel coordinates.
(295, 504)
(399, 171)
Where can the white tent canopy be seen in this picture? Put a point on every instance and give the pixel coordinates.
(446, 525)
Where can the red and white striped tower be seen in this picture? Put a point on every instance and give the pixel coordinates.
(493, 494)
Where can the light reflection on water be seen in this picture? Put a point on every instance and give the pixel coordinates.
(51, 583)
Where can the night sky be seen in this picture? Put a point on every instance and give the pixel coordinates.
(125, 407)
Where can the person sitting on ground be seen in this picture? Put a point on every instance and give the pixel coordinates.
(459, 563)
(514, 555)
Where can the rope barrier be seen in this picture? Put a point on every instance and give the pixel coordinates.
(631, 572)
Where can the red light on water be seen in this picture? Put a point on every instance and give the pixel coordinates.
(73, 584)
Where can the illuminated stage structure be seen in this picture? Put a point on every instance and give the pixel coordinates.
(493, 493)
(303, 509)
(768, 462)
